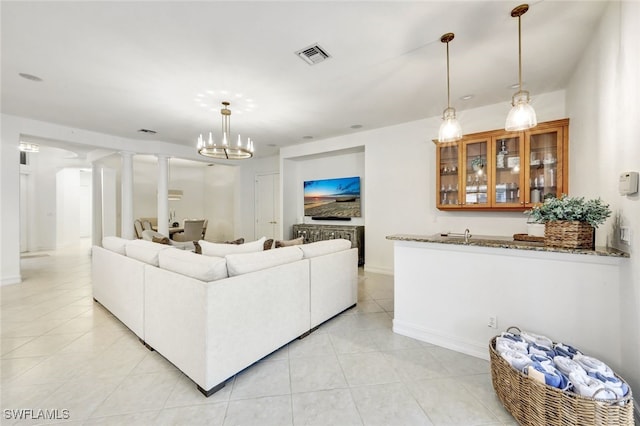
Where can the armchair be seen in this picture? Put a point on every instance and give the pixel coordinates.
(192, 231)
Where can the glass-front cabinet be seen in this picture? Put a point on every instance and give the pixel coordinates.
(448, 177)
(476, 173)
(507, 151)
(501, 170)
(547, 165)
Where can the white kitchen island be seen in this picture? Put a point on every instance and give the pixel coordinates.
(446, 291)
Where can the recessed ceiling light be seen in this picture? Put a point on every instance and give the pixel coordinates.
(30, 77)
(307, 137)
(466, 97)
(356, 126)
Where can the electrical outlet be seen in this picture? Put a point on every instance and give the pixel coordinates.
(493, 322)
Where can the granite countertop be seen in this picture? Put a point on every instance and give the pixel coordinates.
(504, 242)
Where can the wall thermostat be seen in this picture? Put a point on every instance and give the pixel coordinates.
(628, 183)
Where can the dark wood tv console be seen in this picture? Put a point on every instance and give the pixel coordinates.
(312, 233)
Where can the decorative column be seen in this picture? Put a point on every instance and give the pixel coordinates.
(96, 204)
(127, 230)
(163, 195)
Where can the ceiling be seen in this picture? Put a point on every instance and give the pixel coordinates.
(119, 67)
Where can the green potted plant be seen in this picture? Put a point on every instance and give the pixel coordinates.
(570, 221)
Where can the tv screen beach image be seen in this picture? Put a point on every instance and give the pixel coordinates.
(332, 197)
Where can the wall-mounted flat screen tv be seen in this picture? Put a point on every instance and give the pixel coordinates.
(332, 198)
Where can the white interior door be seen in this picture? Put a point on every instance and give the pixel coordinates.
(267, 202)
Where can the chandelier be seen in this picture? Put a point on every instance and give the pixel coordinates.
(522, 116)
(225, 150)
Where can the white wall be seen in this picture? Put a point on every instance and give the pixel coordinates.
(43, 191)
(67, 182)
(10, 199)
(220, 202)
(145, 189)
(85, 203)
(335, 164)
(208, 192)
(399, 189)
(602, 101)
(110, 211)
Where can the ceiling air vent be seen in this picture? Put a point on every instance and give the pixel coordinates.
(313, 54)
(152, 132)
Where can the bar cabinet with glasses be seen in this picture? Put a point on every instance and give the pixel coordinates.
(499, 170)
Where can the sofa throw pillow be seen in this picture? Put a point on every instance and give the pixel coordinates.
(243, 263)
(161, 240)
(115, 244)
(221, 249)
(320, 248)
(145, 251)
(203, 268)
(268, 244)
(237, 241)
(287, 243)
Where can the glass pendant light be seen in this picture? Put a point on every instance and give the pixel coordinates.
(522, 115)
(450, 129)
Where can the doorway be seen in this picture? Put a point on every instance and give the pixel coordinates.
(267, 205)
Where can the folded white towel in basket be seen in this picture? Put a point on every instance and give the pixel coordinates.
(516, 359)
(504, 344)
(538, 339)
(586, 385)
(593, 365)
(567, 365)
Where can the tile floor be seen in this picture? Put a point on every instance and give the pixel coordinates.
(61, 351)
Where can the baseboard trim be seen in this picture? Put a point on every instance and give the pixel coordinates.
(208, 393)
(376, 270)
(446, 341)
(16, 279)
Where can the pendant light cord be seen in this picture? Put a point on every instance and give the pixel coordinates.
(448, 89)
(519, 55)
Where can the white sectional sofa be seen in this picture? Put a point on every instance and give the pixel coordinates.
(213, 316)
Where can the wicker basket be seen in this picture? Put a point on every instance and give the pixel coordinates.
(537, 404)
(568, 234)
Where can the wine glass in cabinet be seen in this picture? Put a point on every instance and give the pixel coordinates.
(448, 175)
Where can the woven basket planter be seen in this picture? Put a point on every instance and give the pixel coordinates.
(568, 234)
(536, 404)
